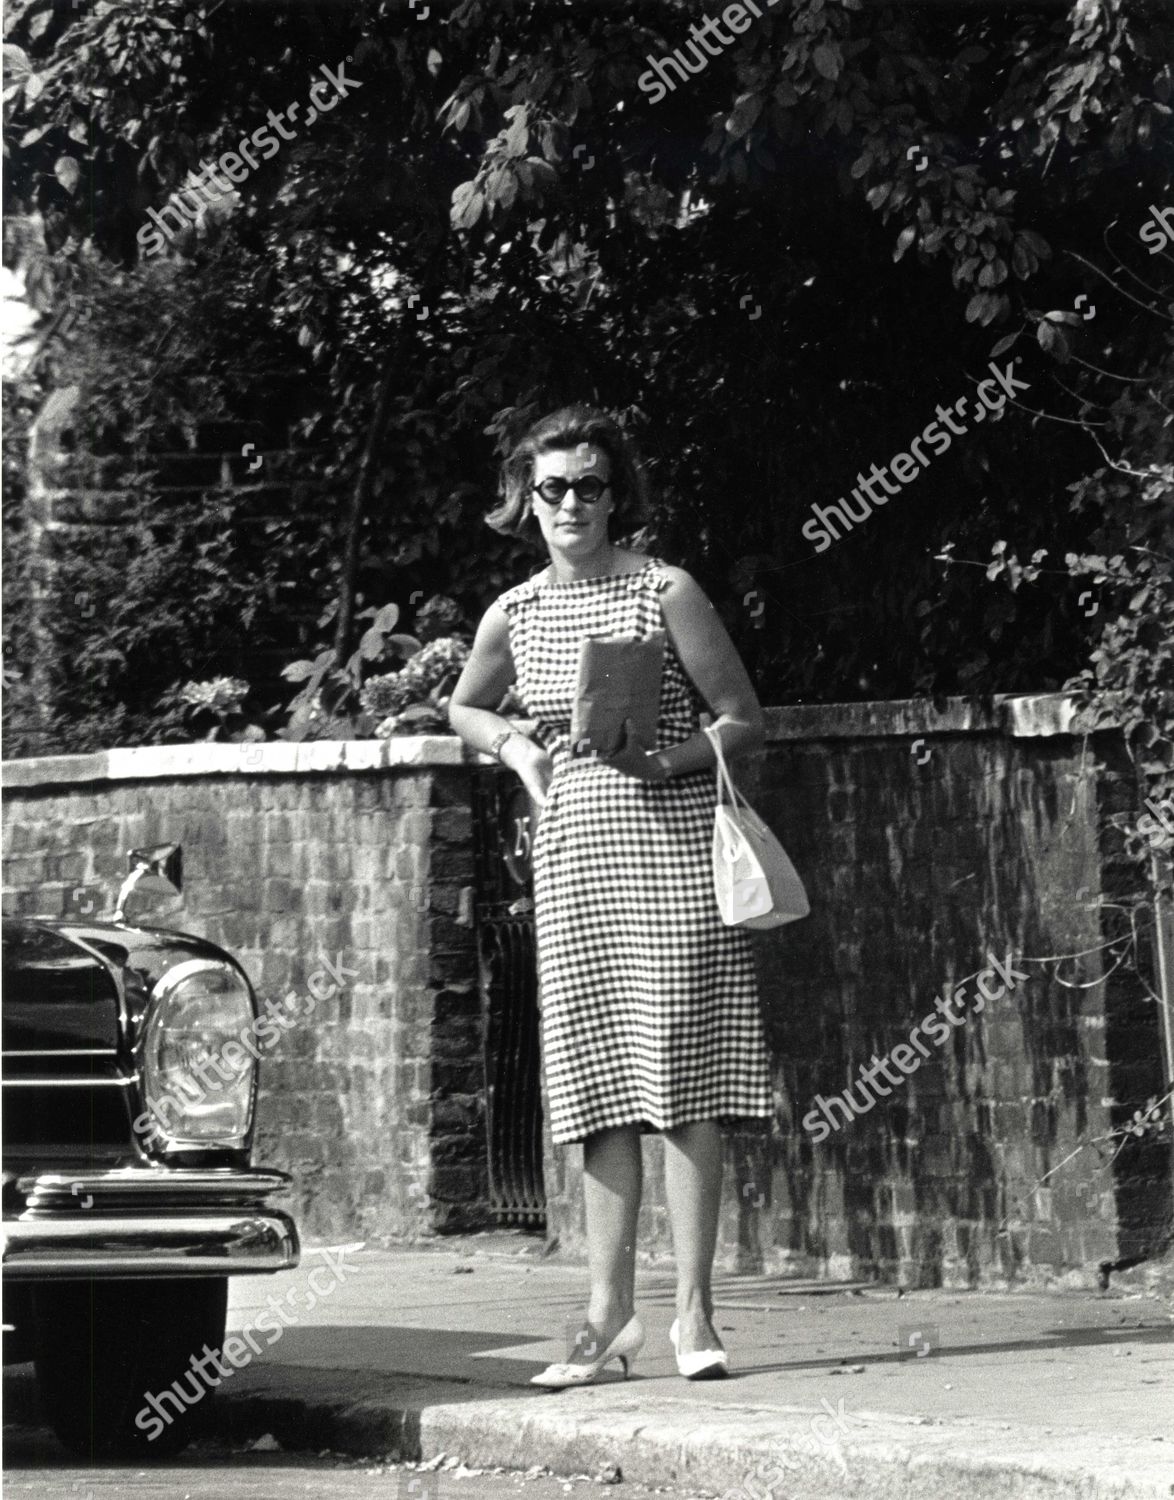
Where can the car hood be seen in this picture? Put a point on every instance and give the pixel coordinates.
(73, 986)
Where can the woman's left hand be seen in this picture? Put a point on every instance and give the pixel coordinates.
(636, 759)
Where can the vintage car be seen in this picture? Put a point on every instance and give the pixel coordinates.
(123, 1219)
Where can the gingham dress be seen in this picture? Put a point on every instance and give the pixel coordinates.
(650, 1010)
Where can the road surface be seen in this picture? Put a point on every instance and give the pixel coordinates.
(35, 1465)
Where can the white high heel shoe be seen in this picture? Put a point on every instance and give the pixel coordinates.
(706, 1364)
(624, 1347)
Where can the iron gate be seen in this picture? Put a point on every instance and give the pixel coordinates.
(507, 957)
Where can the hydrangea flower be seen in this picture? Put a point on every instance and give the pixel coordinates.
(392, 692)
(219, 695)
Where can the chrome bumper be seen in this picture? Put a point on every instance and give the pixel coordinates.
(148, 1222)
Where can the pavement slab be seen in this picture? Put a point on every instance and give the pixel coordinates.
(834, 1389)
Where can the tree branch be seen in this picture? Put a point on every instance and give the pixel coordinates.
(1123, 468)
(1104, 275)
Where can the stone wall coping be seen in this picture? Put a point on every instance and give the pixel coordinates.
(1017, 715)
(216, 758)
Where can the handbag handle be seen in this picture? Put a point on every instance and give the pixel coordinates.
(724, 783)
(724, 780)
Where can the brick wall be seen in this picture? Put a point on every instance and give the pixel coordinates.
(927, 839)
(374, 1106)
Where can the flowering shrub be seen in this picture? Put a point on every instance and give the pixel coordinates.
(219, 698)
(416, 697)
(220, 695)
(438, 616)
(429, 668)
(335, 702)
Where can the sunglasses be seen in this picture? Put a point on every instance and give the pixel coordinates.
(587, 488)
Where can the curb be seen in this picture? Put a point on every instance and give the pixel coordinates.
(656, 1440)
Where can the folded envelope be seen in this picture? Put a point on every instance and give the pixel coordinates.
(619, 678)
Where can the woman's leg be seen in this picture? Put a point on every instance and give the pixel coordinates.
(612, 1182)
(693, 1179)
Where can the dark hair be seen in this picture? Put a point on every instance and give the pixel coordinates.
(567, 428)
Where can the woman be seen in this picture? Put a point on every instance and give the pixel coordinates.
(649, 1005)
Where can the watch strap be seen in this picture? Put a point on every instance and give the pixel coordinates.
(499, 741)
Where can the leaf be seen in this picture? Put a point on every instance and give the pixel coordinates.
(467, 204)
(1003, 345)
(1051, 339)
(517, 137)
(904, 240)
(67, 173)
(746, 110)
(828, 60)
(1036, 242)
(298, 671)
(371, 644)
(1023, 261)
(16, 63)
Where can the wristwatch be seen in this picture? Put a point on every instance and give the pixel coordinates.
(499, 741)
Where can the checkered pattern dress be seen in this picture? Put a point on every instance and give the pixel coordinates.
(650, 1010)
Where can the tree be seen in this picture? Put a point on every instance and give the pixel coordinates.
(776, 271)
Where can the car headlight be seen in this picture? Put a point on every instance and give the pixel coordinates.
(198, 1073)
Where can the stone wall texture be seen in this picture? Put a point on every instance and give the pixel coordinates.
(374, 1105)
(927, 839)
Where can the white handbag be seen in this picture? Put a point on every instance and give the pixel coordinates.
(754, 880)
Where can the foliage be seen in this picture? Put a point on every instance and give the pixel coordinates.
(348, 701)
(330, 704)
(177, 573)
(23, 735)
(159, 594)
(1129, 579)
(415, 698)
(214, 709)
(774, 273)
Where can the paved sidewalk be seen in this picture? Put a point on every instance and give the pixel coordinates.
(850, 1391)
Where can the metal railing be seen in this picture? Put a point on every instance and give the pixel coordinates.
(507, 952)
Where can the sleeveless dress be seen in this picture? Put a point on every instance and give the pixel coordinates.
(650, 1011)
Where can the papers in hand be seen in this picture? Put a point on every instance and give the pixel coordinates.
(619, 678)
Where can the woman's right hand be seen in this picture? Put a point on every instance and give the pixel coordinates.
(532, 764)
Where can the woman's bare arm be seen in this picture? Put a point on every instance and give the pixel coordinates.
(487, 675)
(711, 660)
(472, 708)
